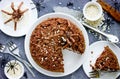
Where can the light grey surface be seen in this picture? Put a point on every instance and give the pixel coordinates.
(49, 4)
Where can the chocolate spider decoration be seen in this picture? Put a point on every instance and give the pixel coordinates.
(15, 15)
(39, 5)
(4, 60)
(12, 66)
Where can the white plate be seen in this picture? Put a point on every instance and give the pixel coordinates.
(97, 49)
(72, 61)
(24, 24)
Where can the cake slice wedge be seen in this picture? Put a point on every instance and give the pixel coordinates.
(107, 61)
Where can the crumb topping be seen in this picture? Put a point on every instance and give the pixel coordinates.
(52, 36)
(107, 61)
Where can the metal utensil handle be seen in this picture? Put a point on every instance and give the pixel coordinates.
(109, 71)
(27, 66)
(30, 70)
(27, 63)
(23, 61)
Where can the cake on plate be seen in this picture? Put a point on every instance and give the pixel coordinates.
(107, 61)
(52, 36)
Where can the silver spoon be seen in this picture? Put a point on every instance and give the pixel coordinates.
(111, 38)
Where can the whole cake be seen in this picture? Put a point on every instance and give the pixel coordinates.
(52, 36)
(107, 61)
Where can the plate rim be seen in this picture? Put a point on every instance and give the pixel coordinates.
(22, 34)
(107, 42)
(26, 42)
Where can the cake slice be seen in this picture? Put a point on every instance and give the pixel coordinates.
(107, 61)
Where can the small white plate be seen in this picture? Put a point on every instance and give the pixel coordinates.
(97, 6)
(15, 76)
(72, 61)
(97, 49)
(24, 24)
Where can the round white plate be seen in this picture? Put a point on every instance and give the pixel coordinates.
(72, 61)
(97, 49)
(24, 24)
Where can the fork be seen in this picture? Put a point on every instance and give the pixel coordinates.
(97, 74)
(4, 49)
(14, 49)
(94, 74)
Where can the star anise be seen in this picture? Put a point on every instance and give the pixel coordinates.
(15, 15)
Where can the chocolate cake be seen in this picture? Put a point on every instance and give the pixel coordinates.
(107, 61)
(52, 36)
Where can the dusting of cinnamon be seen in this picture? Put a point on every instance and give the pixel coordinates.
(15, 15)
